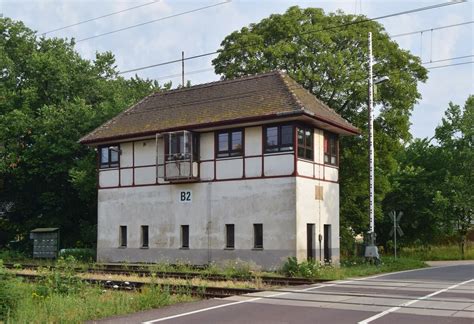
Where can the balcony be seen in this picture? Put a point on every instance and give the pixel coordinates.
(181, 156)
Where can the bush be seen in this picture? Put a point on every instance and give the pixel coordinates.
(61, 279)
(85, 255)
(306, 269)
(12, 255)
(9, 296)
(238, 268)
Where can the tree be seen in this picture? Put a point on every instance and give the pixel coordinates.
(434, 182)
(330, 62)
(455, 198)
(49, 98)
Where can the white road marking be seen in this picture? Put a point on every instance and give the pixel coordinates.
(411, 302)
(209, 308)
(279, 294)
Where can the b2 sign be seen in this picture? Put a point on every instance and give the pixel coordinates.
(185, 196)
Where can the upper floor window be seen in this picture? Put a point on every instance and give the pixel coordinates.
(182, 146)
(109, 156)
(278, 138)
(229, 143)
(305, 143)
(330, 149)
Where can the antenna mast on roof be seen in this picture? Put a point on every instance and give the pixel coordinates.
(182, 69)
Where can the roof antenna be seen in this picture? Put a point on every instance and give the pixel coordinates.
(182, 69)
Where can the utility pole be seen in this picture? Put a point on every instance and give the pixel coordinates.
(371, 145)
(371, 250)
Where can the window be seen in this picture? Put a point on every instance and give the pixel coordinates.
(185, 236)
(305, 143)
(229, 143)
(330, 148)
(109, 156)
(145, 236)
(181, 145)
(278, 138)
(123, 236)
(258, 236)
(229, 239)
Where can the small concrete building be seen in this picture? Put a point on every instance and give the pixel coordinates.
(236, 169)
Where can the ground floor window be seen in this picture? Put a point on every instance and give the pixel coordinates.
(123, 236)
(258, 236)
(229, 232)
(145, 236)
(185, 236)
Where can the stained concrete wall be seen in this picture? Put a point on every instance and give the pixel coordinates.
(319, 212)
(271, 202)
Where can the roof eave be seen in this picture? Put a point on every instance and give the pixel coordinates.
(348, 129)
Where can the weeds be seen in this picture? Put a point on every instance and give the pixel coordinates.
(61, 279)
(9, 297)
(353, 267)
(438, 252)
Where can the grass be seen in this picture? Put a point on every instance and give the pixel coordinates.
(89, 303)
(356, 267)
(438, 253)
(361, 269)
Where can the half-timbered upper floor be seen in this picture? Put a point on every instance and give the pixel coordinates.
(254, 127)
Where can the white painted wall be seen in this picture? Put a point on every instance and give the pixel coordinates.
(253, 141)
(126, 156)
(229, 168)
(109, 178)
(276, 165)
(206, 146)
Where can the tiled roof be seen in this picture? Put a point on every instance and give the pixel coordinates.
(251, 97)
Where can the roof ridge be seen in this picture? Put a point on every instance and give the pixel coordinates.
(323, 104)
(293, 95)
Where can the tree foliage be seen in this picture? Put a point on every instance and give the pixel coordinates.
(330, 62)
(434, 182)
(49, 98)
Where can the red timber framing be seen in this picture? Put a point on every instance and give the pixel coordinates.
(215, 159)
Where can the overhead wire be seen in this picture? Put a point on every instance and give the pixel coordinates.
(97, 18)
(360, 21)
(424, 63)
(448, 59)
(187, 73)
(153, 21)
(434, 28)
(448, 65)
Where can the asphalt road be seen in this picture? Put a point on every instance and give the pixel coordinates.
(443, 294)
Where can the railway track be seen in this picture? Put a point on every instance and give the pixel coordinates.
(141, 271)
(201, 291)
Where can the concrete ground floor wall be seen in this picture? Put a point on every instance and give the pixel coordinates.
(242, 203)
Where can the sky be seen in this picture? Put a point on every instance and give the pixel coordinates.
(202, 32)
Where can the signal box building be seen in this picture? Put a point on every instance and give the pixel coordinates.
(236, 169)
